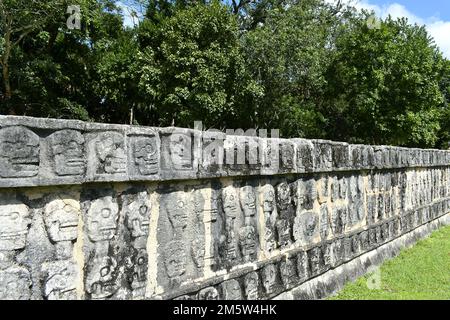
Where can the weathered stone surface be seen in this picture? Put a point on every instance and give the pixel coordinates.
(19, 157)
(99, 211)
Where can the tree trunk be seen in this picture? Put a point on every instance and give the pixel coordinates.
(5, 70)
(6, 82)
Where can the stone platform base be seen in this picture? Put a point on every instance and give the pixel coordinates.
(331, 282)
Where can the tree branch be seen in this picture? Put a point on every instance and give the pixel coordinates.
(23, 35)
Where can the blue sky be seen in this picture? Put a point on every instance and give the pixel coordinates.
(422, 8)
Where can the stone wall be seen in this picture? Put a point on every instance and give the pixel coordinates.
(96, 211)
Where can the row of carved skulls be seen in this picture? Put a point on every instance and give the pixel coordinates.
(20, 153)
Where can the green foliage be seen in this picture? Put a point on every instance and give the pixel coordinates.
(288, 56)
(194, 69)
(50, 68)
(384, 85)
(308, 68)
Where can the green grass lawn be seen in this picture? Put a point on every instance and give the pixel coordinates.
(421, 272)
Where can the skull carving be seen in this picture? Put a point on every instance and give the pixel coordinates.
(198, 251)
(251, 282)
(248, 201)
(231, 290)
(102, 219)
(146, 157)
(14, 223)
(269, 278)
(110, 152)
(288, 272)
(139, 275)
(61, 220)
(283, 228)
(60, 283)
(138, 215)
(215, 204)
(283, 196)
(199, 204)
(100, 280)
(180, 150)
(315, 258)
(176, 205)
(67, 149)
(247, 237)
(269, 198)
(310, 224)
(230, 202)
(287, 155)
(209, 293)
(19, 152)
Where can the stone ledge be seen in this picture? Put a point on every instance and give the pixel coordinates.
(44, 152)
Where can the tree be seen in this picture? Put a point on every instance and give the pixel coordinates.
(51, 70)
(18, 19)
(193, 68)
(288, 56)
(384, 84)
(444, 133)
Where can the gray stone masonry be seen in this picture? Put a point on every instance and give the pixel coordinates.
(100, 211)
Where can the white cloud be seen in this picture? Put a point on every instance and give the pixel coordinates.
(438, 29)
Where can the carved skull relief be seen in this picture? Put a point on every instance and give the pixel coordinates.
(302, 265)
(247, 238)
(137, 215)
(14, 223)
(209, 293)
(251, 284)
(19, 153)
(284, 232)
(230, 202)
(61, 220)
(315, 257)
(306, 226)
(269, 278)
(269, 198)
(100, 279)
(287, 155)
(215, 204)
(288, 272)
(199, 204)
(180, 150)
(140, 266)
(60, 283)
(248, 201)
(283, 196)
(110, 150)
(102, 219)
(307, 194)
(231, 290)
(176, 205)
(67, 150)
(269, 216)
(230, 247)
(146, 155)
